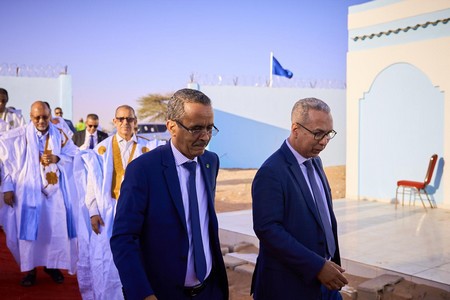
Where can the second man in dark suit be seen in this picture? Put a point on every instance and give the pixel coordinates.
(90, 137)
(293, 214)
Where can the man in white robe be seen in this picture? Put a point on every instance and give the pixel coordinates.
(104, 166)
(39, 220)
(9, 118)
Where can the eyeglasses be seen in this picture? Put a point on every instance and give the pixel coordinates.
(37, 118)
(129, 119)
(58, 113)
(209, 130)
(318, 136)
(90, 126)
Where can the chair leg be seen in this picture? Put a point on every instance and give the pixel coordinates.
(420, 196)
(429, 200)
(396, 197)
(403, 195)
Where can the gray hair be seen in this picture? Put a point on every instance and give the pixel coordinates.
(127, 107)
(302, 107)
(175, 107)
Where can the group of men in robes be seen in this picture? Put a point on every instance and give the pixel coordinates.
(59, 202)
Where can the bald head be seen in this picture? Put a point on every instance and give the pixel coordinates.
(40, 116)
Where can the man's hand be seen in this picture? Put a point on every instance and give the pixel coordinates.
(331, 276)
(48, 158)
(8, 197)
(151, 297)
(96, 222)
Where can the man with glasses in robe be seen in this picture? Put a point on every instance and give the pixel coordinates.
(104, 170)
(38, 193)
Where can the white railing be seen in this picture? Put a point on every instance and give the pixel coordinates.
(261, 81)
(23, 70)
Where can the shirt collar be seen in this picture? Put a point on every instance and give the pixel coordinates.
(300, 159)
(179, 157)
(120, 139)
(88, 133)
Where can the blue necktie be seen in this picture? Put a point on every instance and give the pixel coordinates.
(323, 212)
(91, 142)
(199, 254)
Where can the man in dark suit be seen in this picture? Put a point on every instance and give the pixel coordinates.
(59, 113)
(165, 239)
(293, 214)
(90, 137)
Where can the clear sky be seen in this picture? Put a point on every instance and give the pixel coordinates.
(119, 51)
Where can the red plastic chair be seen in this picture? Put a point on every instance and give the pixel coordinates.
(417, 186)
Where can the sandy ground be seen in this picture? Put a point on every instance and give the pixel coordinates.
(233, 193)
(233, 190)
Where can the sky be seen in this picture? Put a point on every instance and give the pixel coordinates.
(119, 51)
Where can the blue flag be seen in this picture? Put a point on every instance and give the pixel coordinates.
(277, 69)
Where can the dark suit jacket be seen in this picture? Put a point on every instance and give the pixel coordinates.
(79, 137)
(292, 242)
(150, 241)
(70, 124)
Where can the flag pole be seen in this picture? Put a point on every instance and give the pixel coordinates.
(271, 69)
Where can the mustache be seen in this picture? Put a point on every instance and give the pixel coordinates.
(200, 144)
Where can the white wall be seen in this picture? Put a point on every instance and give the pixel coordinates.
(254, 122)
(23, 91)
(398, 84)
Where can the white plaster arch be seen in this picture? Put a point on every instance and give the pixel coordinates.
(401, 111)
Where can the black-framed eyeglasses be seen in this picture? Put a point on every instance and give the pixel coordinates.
(318, 136)
(197, 131)
(129, 119)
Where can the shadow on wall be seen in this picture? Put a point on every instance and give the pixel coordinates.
(244, 143)
(431, 189)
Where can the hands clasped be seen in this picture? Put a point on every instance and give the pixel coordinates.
(47, 159)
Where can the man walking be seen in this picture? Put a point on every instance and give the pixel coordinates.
(165, 238)
(293, 214)
(39, 223)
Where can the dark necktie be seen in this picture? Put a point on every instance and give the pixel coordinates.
(91, 142)
(320, 203)
(199, 254)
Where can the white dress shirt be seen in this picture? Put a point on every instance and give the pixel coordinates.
(183, 176)
(87, 140)
(300, 159)
(125, 148)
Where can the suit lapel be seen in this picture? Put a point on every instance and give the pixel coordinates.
(172, 181)
(298, 174)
